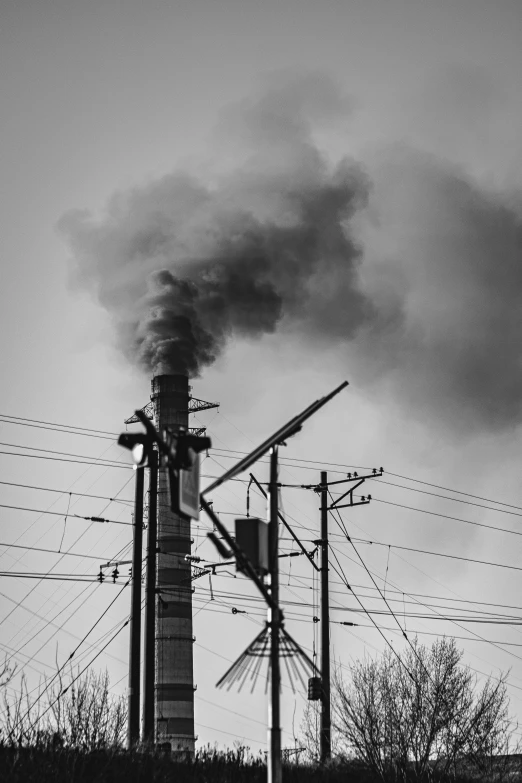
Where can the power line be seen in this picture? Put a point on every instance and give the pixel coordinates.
(481, 638)
(368, 615)
(489, 617)
(72, 461)
(62, 626)
(54, 577)
(48, 575)
(71, 656)
(388, 473)
(229, 733)
(453, 519)
(54, 424)
(296, 617)
(61, 453)
(51, 551)
(64, 691)
(475, 634)
(286, 461)
(62, 514)
(463, 638)
(455, 500)
(233, 712)
(66, 492)
(457, 491)
(440, 554)
(342, 527)
(403, 633)
(411, 595)
(57, 428)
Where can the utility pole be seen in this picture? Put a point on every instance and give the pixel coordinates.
(354, 480)
(325, 732)
(274, 620)
(133, 726)
(149, 652)
(274, 634)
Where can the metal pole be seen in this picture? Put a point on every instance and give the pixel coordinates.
(133, 727)
(326, 740)
(149, 651)
(274, 619)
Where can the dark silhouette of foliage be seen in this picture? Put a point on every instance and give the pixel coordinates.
(423, 716)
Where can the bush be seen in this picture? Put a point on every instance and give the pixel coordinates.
(79, 713)
(423, 717)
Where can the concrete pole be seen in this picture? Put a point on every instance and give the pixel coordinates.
(274, 619)
(149, 652)
(325, 733)
(133, 726)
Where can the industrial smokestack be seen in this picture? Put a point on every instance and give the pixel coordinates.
(174, 691)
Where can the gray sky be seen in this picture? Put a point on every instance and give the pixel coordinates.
(99, 98)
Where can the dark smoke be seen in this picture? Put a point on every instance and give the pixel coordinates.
(443, 268)
(419, 276)
(183, 266)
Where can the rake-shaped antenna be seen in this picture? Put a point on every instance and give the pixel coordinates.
(249, 664)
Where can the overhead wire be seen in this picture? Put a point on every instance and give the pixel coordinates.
(343, 577)
(50, 551)
(453, 519)
(427, 483)
(455, 500)
(66, 492)
(23, 419)
(440, 554)
(2, 620)
(71, 656)
(61, 514)
(403, 630)
(61, 453)
(478, 636)
(285, 461)
(71, 461)
(62, 626)
(49, 575)
(71, 683)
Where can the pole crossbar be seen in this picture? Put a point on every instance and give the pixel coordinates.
(355, 477)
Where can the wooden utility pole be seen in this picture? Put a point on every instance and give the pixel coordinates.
(325, 731)
(133, 726)
(149, 652)
(274, 620)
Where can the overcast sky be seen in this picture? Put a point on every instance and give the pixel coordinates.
(423, 99)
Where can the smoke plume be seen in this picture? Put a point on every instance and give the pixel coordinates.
(416, 277)
(443, 269)
(182, 265)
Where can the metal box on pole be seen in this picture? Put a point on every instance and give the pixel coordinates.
(252, 539)
(315, 689)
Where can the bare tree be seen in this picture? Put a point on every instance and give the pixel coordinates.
(75, 711)
(6, 673)
(21, 724)
(422, 714)
(310, 730)
(85, 715)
